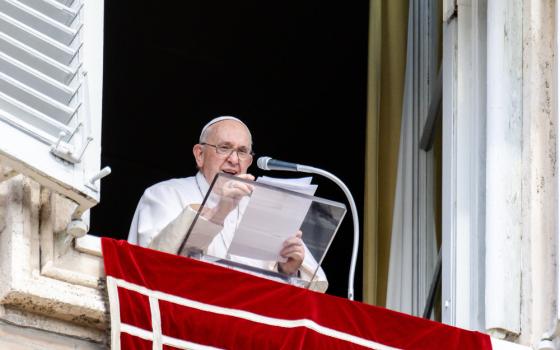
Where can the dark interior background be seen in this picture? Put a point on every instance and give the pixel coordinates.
(294, 71)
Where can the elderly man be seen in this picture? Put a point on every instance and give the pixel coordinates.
(225, 146)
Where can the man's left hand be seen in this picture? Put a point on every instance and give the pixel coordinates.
(294, 251)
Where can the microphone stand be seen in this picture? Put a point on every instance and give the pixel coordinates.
(309, 169)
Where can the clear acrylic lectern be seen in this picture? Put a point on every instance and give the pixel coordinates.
(243, 224)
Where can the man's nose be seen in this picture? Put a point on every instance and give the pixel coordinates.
(233, 156)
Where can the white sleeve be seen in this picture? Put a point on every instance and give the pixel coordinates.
(158, 206)
(170, 238)
(307, 268)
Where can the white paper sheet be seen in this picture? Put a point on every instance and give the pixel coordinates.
(270, 218)
(301, 185)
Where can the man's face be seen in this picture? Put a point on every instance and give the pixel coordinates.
(226, 133)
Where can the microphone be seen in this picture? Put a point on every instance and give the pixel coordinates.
(267, 163)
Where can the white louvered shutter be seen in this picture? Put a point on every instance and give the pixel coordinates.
(51, 64)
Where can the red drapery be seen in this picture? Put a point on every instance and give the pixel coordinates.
(182, 303)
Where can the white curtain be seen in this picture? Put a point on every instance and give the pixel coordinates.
(413, 253)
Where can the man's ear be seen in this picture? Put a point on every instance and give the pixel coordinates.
(197, 152)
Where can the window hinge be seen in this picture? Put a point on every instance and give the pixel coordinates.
(66, 151)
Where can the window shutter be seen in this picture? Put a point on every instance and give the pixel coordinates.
(51, 54)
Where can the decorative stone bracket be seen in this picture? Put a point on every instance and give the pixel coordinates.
(47, 282)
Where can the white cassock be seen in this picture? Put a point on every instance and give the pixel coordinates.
(163, 216)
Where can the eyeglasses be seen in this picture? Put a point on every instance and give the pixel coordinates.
(226, 151)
